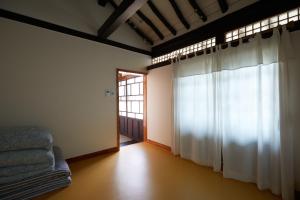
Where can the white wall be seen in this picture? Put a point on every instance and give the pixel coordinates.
(56, 80)
(83, 15)
(159, 105)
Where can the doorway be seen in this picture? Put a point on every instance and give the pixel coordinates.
(131, 107)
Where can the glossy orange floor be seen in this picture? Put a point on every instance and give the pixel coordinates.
(143, 171)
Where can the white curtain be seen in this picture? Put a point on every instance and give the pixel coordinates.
(195, 117)
(232, 104)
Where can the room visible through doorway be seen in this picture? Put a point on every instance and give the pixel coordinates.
(131, 112)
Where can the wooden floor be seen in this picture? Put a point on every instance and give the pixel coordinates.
(143, 172)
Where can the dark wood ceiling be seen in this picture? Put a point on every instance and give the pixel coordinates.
(169, 25)
(166, 25)
(158, 21)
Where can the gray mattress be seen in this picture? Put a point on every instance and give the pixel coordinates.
(39, 184)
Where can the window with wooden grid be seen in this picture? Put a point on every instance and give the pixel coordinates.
(131, 97)
(186, 50)
(269, 23)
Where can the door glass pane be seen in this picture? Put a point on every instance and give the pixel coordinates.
(135, 89)
(122, 91)
(122, 106)
(135, 106)
(128, 89)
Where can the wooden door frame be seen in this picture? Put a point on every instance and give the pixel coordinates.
(144, 103)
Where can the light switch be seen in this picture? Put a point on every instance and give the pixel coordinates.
(108, 92)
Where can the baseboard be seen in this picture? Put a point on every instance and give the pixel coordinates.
(92, 155)
(165, 147)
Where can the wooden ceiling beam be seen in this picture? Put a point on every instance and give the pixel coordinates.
(150, 23)
(133, 26)
(198, 10)
(161, 17)
(179, 14)
(145, 19)
(124, 11)
(223, 5)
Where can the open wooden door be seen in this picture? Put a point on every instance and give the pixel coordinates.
(132, 109)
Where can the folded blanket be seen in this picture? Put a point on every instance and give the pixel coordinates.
(26, 157)
(17, 165)
(61, 171)
(29, 183)
(21, 176)
(29, 193)
(18, 138)
(24, 169)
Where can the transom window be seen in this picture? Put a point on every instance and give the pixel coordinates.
(269, 23)
(186, 50)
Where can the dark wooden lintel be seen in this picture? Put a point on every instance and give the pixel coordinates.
(161, 64)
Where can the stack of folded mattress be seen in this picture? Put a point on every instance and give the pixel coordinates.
(29, 164)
